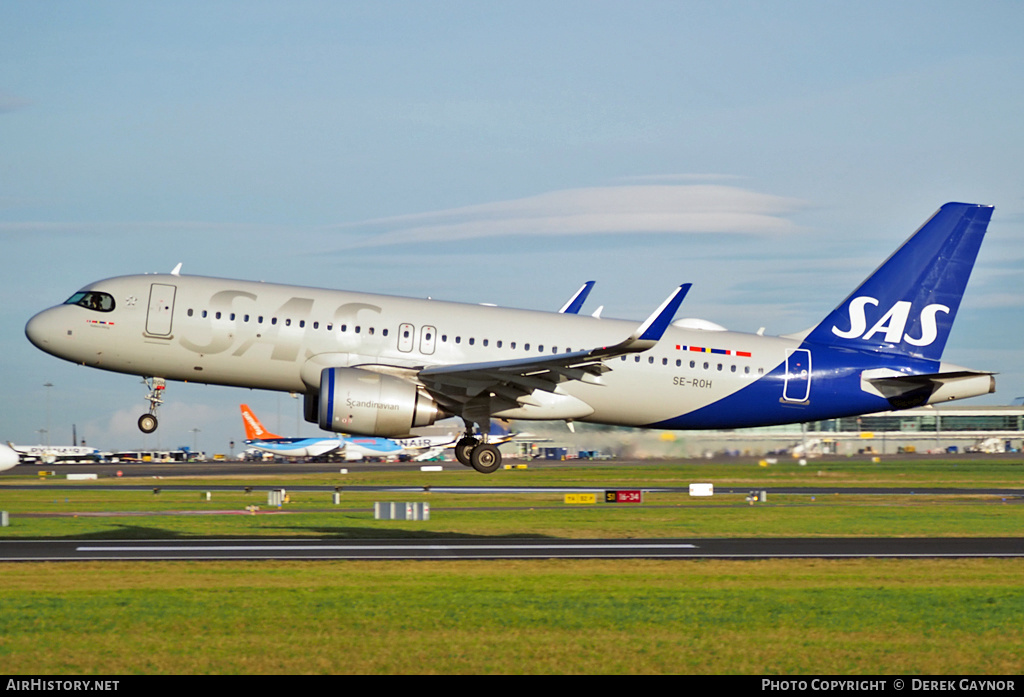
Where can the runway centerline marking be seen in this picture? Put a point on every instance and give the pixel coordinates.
(270, 547)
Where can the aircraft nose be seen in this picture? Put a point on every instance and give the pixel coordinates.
(42, 329)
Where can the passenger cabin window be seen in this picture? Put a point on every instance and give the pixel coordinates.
(100, 302)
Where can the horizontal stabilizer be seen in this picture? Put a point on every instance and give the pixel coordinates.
(907, 391)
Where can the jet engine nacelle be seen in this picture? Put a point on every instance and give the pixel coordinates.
(370, 404)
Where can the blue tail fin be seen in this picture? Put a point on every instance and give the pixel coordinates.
(908, 304)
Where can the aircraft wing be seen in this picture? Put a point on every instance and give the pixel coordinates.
(477, 390)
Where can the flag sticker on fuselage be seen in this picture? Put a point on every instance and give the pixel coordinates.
(721, 352)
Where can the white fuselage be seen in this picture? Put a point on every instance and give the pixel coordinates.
(280, 337)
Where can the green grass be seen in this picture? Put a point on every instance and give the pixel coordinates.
(542, 514)
(842, 472)
(626, 617)
(772, 617)
(129, 514)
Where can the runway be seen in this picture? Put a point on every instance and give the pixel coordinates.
(468, 549)
(1015, 495)
(449, 548)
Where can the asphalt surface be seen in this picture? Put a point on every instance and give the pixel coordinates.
(262, 548)
(163, 476)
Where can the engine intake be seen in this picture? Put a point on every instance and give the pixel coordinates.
(370, 404)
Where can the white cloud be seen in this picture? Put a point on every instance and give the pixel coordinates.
(9, 103)
(596, 210)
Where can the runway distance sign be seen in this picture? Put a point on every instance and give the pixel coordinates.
(624, 496)
(581, 498)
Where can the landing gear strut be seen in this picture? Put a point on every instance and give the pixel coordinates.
(148, 421)
(483, 457)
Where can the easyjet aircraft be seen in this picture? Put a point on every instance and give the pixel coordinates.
(379, 365)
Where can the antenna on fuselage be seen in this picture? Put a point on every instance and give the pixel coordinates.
(177, 270)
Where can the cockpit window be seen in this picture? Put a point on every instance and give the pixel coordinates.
(101, 302)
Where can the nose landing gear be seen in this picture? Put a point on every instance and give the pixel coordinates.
(148, 421)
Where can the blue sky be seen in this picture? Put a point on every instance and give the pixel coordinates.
(771, 153)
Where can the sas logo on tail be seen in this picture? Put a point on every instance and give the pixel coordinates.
(892, 324)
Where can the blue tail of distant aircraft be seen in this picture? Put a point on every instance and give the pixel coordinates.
(907, 306)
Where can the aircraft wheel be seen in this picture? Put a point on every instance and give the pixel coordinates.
(147, 423)
(464, 450)
(486, 458)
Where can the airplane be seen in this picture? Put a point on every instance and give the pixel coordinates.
(53, 453)
(426, 445)
(260, 438)
(379, 365)
(355, 448)
(8, 457)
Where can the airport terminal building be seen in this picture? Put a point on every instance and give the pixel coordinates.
(966, 428)
(921, 430)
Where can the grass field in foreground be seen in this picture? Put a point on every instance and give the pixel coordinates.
(786, 617)
(773, 617)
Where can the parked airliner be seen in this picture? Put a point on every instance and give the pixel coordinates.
(54, 453)
(426, 445)
(8, 457)
(381, 365)
(354, 448)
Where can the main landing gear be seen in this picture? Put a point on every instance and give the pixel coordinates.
(483, 457)
(148, 421)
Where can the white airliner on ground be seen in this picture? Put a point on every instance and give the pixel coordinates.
(54, 453)
(8, 457)
(426, 445)
(354, 448)
(380, 365)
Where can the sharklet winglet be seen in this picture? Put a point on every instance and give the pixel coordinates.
(576, 301)
(658, 322)
(650, 332)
